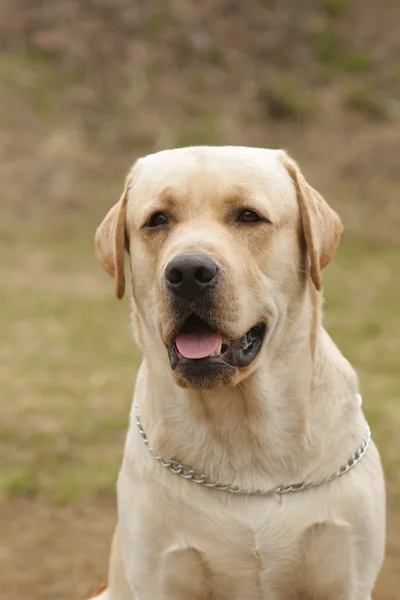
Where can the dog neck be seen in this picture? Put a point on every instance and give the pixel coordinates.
(264, 430)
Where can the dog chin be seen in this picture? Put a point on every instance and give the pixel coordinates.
(204, 373)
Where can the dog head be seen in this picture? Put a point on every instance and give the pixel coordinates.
(223, 243)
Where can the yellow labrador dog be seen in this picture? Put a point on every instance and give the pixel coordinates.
(248, 471)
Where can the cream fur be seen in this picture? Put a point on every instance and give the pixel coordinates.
(292, 416)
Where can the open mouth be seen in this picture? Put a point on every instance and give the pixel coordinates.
(198, 348)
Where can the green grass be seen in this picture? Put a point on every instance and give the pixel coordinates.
(396, 75)
(68, 365)
(325, 45)
(68, 361)
(369, 102)
(357, 60)
(67, 358)
(285, 98)
(362, 295)
(333, 55)
(335, 8)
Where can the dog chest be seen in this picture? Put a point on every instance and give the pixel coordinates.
(255, 550)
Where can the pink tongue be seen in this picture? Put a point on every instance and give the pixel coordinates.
(197, 345)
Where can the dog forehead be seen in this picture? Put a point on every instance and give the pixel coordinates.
(206, 172)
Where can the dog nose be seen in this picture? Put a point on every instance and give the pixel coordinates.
(191, 275)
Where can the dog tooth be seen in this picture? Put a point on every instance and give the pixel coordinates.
(217, 350)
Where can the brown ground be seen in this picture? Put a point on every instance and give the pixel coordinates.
(85, 88)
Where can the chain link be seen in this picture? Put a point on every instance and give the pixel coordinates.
(190, 474)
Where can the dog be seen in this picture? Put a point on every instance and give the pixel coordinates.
(248, 470)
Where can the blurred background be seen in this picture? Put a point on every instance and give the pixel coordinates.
(85, 88)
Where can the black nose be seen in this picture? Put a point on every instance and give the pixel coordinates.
(191, 275)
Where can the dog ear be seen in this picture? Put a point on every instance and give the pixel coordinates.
(322, 227)
(110, 241)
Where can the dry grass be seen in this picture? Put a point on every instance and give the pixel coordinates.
(322, 82)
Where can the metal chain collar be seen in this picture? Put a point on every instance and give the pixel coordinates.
(188, 473)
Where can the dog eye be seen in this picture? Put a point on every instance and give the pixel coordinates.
(157, 220)
(249, 216)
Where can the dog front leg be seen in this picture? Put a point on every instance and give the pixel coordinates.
(117, 585)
